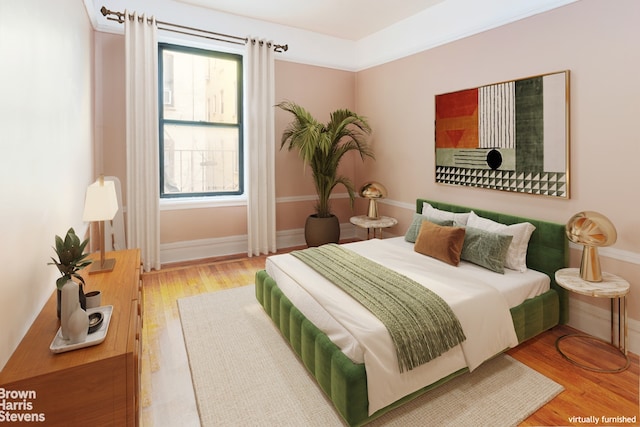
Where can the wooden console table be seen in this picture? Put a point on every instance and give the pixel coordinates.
(92, 386)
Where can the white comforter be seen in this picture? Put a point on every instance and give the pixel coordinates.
(482, 310)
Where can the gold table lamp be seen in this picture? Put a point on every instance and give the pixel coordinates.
(373, 191)
(591, 229)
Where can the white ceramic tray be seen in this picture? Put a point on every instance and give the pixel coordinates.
(60, 345)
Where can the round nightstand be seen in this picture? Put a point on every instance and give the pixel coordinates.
(611, 286)
(374, 224)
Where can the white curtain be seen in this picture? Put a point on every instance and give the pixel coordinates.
(260, 145)
(143, 215)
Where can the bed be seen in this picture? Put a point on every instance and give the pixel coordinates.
(338, 365)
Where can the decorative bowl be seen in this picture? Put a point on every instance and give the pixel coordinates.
(95, 321)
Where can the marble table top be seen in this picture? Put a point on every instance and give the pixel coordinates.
(611, 286)
(366, 222)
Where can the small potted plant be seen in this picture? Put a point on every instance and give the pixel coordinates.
(71, 259)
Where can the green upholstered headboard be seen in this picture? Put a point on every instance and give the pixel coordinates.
(548, 247)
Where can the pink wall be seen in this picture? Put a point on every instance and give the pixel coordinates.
(598, 42)
(320, 91)
(110, 107)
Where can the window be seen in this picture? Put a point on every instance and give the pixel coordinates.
(201, 150)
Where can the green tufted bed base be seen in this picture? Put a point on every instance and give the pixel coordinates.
(345, 382)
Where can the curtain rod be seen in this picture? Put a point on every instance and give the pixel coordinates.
(167, 26)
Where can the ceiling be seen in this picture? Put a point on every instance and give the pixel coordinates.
(345, 19)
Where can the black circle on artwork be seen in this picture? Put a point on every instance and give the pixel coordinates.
(494, 159)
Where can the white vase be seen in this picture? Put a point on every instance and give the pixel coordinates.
(68, 301)
(78, 325)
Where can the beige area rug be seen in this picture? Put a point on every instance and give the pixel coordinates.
(245, 374)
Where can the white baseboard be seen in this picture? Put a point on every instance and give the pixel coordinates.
(234, 245)
(202, 248)
(596, 321)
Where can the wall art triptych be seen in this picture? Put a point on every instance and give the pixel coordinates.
(510, 136)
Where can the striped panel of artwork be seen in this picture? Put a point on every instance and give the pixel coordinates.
(497, 116)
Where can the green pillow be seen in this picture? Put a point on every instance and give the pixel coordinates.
(485, 248)
(412, 233)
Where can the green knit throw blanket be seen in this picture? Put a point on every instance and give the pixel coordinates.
(421, 324)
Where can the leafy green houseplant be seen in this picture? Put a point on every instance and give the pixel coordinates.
(322, 146)
(71, 259)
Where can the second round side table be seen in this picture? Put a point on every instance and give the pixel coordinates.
(611, 286)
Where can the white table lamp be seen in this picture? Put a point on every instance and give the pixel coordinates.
(101, 204)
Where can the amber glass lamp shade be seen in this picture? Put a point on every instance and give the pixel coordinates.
(591, 229)
(373, 191)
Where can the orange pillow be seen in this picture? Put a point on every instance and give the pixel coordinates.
(440, 242)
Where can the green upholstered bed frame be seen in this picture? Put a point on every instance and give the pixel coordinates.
(345, 382)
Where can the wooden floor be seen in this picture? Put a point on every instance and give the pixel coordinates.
(167, 394)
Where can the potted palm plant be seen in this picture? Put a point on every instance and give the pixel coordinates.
(71, 259)
(322, 147)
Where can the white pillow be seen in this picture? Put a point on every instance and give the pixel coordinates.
(517, 253)
(459, 219)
